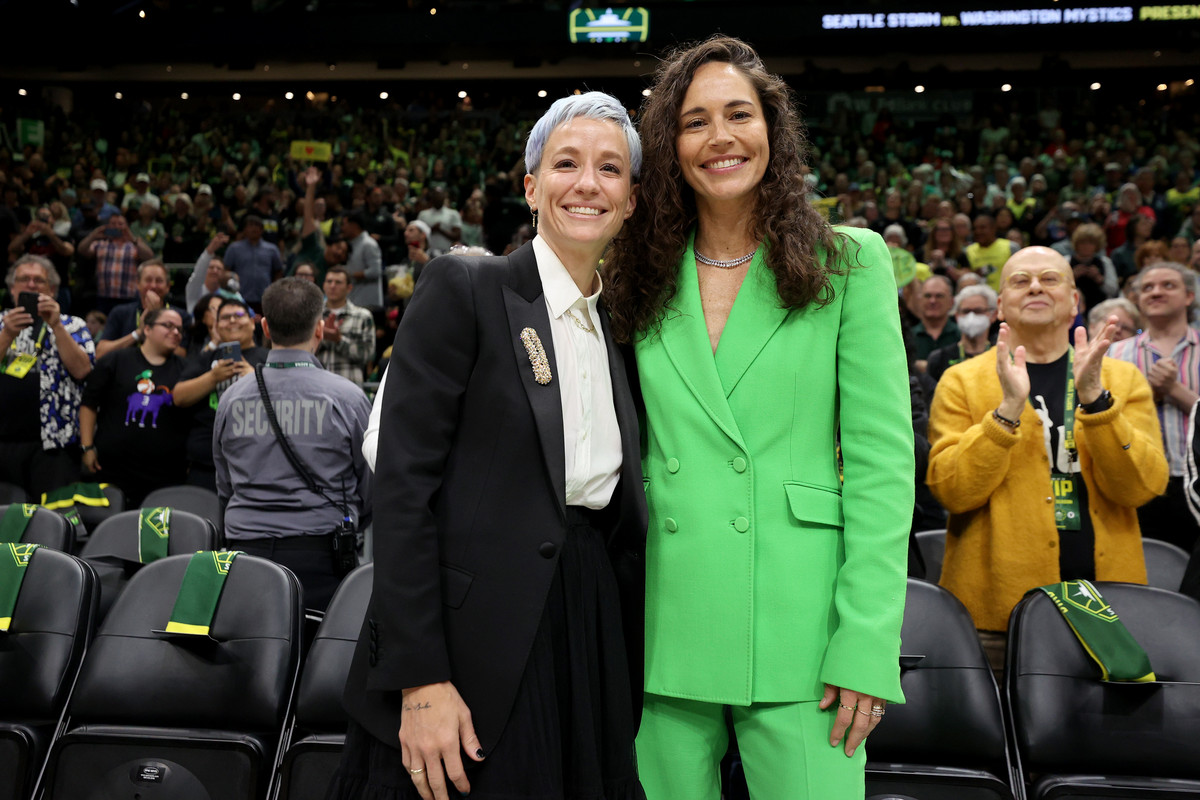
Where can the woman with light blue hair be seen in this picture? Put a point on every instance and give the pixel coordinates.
(508, 500)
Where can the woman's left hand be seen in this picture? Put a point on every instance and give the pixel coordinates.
(857, 715)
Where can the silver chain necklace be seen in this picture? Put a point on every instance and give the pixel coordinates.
(734, 262)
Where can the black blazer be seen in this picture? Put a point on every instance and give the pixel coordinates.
(469, 498)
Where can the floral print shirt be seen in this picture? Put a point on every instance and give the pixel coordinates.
(60, 393)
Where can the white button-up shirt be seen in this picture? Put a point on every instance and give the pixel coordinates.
(591, 435)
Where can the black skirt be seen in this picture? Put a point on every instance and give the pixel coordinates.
(570, 733)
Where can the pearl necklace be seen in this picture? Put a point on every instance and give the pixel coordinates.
(735, 262)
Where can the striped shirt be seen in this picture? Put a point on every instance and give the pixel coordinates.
(1139, 351)
(116, 269)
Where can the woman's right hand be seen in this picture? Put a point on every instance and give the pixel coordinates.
(435, 729)
(91, 462)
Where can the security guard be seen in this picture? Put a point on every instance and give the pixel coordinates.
(301, 508)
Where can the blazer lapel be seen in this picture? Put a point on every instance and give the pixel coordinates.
(753, 320)
(627, 419)
(527, 309)
(685, 338)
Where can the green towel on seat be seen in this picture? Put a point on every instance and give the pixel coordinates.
(1100, 631)
(14, 559)
(154, 532)
(196, 603)
(88, 494)
(15, 521)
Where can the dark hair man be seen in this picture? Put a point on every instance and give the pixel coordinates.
(270, 509)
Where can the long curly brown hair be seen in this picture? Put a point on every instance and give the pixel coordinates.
(640, 269)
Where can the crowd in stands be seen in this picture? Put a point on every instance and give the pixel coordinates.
(161, 228)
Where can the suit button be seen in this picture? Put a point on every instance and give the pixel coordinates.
(548, 549)
(1053, 545)
(672, 465)
(1049, 499)
(739, 464)
(671, 525)
(741, 524)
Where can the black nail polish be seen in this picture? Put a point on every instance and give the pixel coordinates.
(479, 752)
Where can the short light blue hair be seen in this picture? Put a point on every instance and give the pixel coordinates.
(590, 105)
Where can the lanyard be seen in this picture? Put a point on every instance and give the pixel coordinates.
(288, 364)
(1069, 407)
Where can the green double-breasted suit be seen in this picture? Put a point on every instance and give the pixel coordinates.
(767, 576)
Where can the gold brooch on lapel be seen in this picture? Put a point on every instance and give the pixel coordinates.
(537, 355)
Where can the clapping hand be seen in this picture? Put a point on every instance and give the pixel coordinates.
(1014, 377)
(1088, 358)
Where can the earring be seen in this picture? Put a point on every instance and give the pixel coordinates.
(534, 212)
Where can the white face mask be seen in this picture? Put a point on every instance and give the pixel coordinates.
(973, 324)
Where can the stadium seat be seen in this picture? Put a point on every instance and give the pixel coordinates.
(92, 516)
(1085, 738)
(932, 544)
(948, 741)
(183, 717)
(11, 493)
(318, 730)
(48, 529)
(194, 499)
(113, 549)
(1165, 564)
(40, 655)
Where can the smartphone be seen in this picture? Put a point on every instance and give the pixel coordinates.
(112, 233)
(29, 301)
(228, 350)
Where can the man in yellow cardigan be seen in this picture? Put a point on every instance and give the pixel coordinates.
(1041, 453)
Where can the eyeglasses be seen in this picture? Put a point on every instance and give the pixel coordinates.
(231, 316)
(1048, 278)
(32, 280)
(170, 326)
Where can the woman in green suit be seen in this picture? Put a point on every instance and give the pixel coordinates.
(764, 338)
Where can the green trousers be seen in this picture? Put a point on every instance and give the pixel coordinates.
(784, 747)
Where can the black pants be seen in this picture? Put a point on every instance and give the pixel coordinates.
(36, 470)
(310, 557)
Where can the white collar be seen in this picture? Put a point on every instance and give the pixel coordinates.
(557, 284)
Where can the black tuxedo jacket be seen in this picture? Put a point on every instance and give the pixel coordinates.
(469, 498)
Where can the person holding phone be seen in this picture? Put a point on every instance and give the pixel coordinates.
(117, 254)
(45, 357)
(207, 375)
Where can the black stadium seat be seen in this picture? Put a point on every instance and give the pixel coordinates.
(92, 516)
(48, 529)
(1165, 564)
(932, 544)
(11, 493)
(194, 499)
(112, 549)
(948, 741)
(1085, 738)
(185, 718)
(40, 655)
(318, 731)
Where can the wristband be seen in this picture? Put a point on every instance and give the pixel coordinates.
(88, 447)
(1012, 423)
(1102, 403)
(137, 337)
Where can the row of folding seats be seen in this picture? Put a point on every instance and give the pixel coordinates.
(1055, 730)
(1165, 562)
(135, 712)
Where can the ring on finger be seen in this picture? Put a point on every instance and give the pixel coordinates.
(417, 771)
(864, 713)
(877, 711)
(848, 708)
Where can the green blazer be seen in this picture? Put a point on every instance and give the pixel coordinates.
(766, 575)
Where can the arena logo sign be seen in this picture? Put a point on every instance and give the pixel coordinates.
(1011, 17)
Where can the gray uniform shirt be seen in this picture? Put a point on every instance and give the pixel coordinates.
(324, 417)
